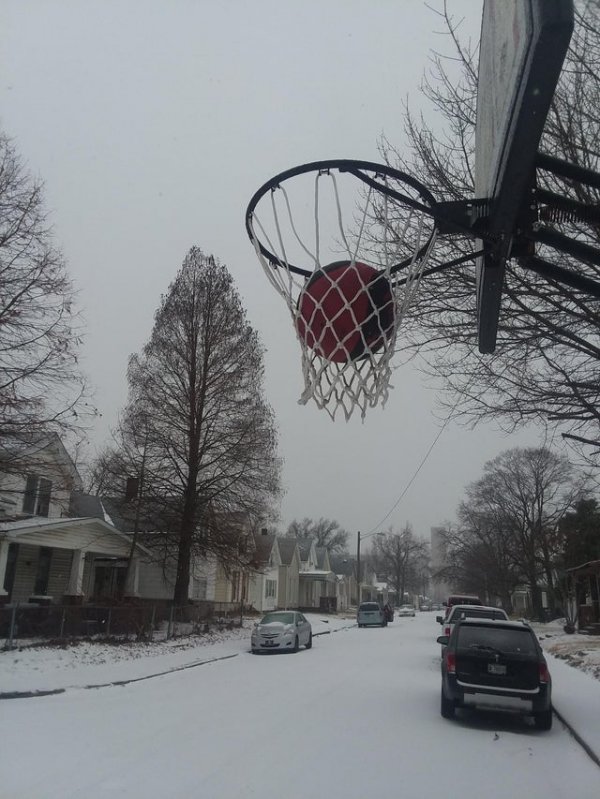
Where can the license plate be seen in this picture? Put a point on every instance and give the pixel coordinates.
(496, 668)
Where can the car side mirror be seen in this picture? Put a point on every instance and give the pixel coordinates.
(443, 640)
(439, 619)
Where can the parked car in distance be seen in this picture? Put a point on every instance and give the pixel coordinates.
(495, 665)
(406, 610)
(281, 630)
(459, 612)
(370, 613)
(460, 599)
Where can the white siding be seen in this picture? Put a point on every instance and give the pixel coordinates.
(60, 571)
(44, 463)
(152, 582)
(257, 590)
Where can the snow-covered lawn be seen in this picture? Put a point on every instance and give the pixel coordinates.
(356, 716)
(85, 662)
(580, 651)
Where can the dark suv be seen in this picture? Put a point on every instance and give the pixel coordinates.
(496, 665)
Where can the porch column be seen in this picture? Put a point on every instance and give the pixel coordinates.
(133, 579)
(75, 584)
(4, 545)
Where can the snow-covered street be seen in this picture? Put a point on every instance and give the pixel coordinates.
(358, 715)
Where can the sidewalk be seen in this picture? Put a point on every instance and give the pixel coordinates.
(48, 669)
(576, 697)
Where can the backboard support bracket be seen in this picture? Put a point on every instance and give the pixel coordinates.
(561, 275)
(460, 216)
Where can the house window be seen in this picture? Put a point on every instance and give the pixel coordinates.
(270, 587)
(199, 588)
(43, 572)
(36, 501)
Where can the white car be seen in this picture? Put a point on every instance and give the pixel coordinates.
(281, 630)
(406, 610)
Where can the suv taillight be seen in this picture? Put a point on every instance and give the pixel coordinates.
(544, 673)
(447, 631)
(450, 662)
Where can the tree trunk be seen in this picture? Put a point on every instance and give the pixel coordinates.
(536, 600)
(186, 536)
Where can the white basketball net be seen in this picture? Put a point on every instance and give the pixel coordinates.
(381, 235)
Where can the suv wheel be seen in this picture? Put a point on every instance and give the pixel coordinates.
(447, 708)
(543, 720)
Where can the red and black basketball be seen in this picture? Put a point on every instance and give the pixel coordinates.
(345, 310)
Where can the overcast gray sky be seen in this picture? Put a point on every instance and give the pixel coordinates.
(153, 123)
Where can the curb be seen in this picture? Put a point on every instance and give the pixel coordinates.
(34, 694)
(585, 746)
(31, 694)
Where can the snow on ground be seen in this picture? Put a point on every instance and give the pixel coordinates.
(580, 651)
(356, 716)
(88, 662)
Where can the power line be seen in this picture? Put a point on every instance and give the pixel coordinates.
(414, 477)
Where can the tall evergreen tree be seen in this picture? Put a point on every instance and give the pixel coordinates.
(209, 435)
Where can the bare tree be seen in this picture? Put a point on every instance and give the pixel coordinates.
(547, 361)
(326, 533)
(41, 387)
(209, 437)
(510, 525)
(399, 558)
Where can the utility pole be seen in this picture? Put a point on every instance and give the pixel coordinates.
(358, 566)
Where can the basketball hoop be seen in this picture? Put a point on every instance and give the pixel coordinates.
(367, 232)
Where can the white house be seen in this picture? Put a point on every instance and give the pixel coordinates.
(46, 556)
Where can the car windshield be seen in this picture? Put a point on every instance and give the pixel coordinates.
(504, 639)
(282, 618)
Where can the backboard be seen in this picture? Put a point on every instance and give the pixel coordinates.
(522, 48)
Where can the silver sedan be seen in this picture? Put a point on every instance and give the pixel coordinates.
(280, 631)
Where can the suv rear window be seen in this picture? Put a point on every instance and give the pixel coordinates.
(475, 613)
(503, 638)
(369, 606)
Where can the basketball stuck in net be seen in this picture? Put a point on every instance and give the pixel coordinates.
(345, 244)
(345, 311)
